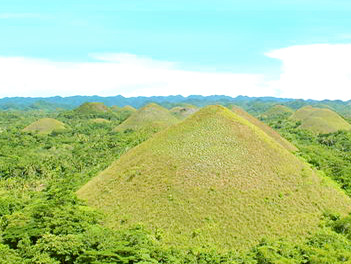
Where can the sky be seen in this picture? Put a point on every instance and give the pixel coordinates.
(281, 48)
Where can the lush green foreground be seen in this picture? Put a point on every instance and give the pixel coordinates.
(42, 221)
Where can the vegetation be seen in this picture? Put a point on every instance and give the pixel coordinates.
(181, 112)
(151, 117)
(277, 112)
(215, 179)
(320, 120)
(268, 130)
(45, 126)
(42, 220)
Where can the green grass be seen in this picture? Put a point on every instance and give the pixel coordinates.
(45, 126)
(278, 111)
(320, 120)
(214, 178)
(182, 112)
(151, 117)
(124, 109)
(269, 131)
(92, 108)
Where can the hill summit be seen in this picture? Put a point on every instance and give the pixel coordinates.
(217, 179)
(150, 117)
(45, 126)
(92, 108)
(320, 120)
(182, 112)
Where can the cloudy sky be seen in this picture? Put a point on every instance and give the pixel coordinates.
(282, 48)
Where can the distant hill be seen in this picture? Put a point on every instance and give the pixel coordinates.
(182, 112)
(92, 108)
(320, 120)
(214, 178)
(277, 111)
(124, 112)
(149, 117)
(45, 126)
(268, 130)
(254, 105)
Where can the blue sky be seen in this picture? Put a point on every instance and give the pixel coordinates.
(199, 36)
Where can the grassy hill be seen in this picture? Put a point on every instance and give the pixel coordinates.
(320, 120)
(124, 112)
(214, 178)
(181, 112)
(278, 111)
(45, 126)
(150, 117)
(268, 130)
(92, 108)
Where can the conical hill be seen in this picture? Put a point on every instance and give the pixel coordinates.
(182, 112)
(320, 120)
(282, 141)
(124, 112)
(45, 126)
(278, 111)
(216, 179)
(92, 108)
(150, 117)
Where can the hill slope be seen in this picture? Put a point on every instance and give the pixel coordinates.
(282, 141)
(213, 178)
(320, 120)
(150, 117)
(45, 126)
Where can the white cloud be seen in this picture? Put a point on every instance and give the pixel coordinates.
(319, 71)
(115, 74)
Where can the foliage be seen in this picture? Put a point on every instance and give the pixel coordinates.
(42, 220)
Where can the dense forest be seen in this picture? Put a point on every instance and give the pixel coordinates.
(43, 221)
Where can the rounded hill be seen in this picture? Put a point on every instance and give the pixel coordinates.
(182, 112)
(320, 120)
(45, 126)
(217, 179)
(150, 117)
(124, 112)
(278, 111)
(92, 108)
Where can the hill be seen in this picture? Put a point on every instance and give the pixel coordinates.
(124, 112)
(92, 108)
(320, 120)
(217, 179)
(277, 111)
(268, 130)
(182, 112)
(150, 117)
(45, 126)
